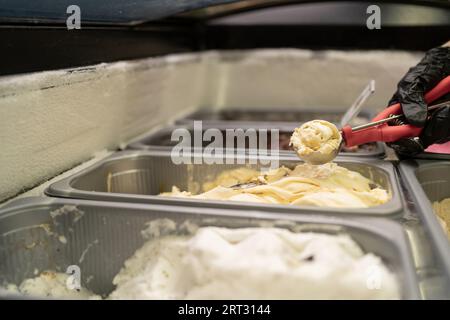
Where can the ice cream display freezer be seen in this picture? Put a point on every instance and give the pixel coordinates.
(95, 218)
(174, 150)
(140, 176)
(40, 234)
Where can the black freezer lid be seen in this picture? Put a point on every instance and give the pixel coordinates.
(35, 36)
(98, 11)
(132, 12)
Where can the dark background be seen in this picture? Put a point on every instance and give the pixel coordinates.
(42, 44)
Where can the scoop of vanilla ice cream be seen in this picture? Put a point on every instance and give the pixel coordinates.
(316, 136)
(253, 263)
(313, 134)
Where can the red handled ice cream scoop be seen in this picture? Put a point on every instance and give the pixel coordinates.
(319, 142)
(380, 129)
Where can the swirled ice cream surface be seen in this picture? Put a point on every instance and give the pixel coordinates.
(328, 185)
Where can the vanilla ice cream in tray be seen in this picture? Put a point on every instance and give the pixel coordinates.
(349, 186)
(428, 182)
(252, 137)
(76, 249)
(269, 117)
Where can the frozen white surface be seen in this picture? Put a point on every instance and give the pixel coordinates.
(254, 263)
(51, 121)
(50, 284)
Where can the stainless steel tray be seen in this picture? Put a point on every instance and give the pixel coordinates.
(102, 235)
(429, 181)
(161, 140)
(139, 176)
(279, 116)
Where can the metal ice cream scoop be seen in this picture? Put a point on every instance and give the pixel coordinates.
(317, 158)
(246, 185)
(379, 129)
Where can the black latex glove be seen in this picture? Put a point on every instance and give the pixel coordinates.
(434, 67)
(420, 79)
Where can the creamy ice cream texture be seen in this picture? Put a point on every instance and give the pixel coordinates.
(442, 209)
(243, 263)
(253, 263)
(328, 185)
(50, 284)
(316, 139)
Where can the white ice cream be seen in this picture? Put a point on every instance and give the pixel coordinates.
(50, 284)
(246, 263)
(254, 263)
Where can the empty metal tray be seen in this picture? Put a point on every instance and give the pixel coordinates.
(271, 116)
(162, 140)
(100, 236)
(139, 176)
(429, 181)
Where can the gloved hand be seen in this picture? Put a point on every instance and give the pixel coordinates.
(434, 67)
